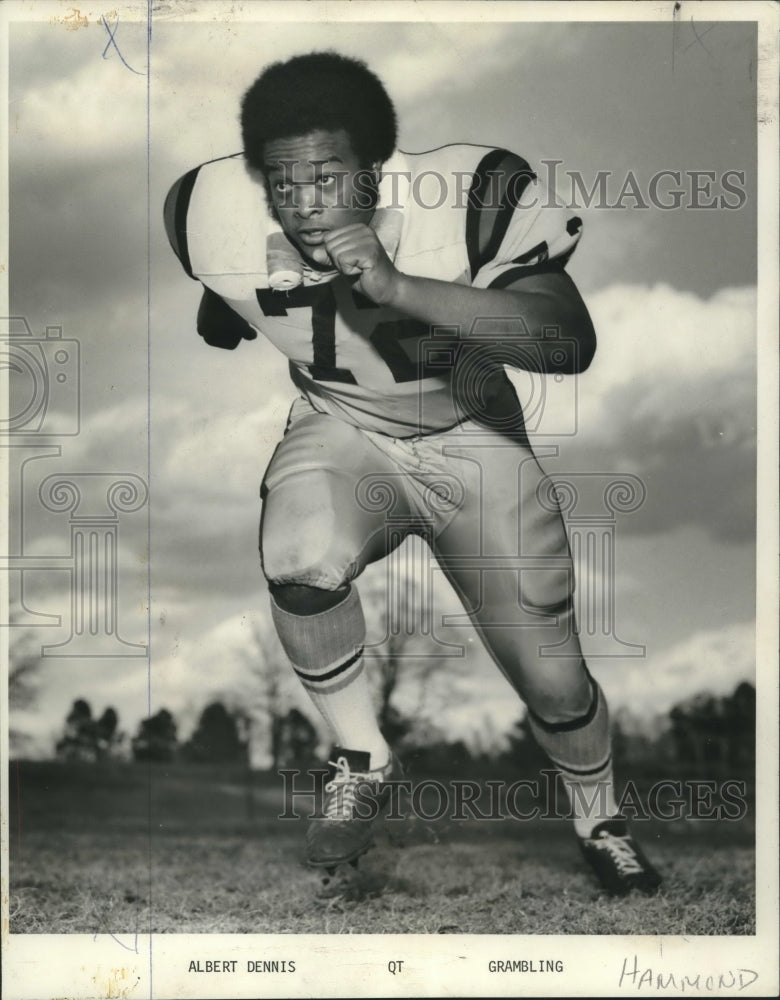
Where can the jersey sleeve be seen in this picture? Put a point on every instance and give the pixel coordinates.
(217, 323)
(175, 211)
(514, 226)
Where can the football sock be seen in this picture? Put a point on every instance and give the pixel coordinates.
(581, 750)
(592, 801)
(326, 651)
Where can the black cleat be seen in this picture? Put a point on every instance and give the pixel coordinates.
(617, 859)
(354, 797)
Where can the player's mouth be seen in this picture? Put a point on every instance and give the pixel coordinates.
(312, 237)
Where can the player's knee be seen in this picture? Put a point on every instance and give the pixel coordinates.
(290, 561)
(556, 710)
(562, 694)
(300, 542)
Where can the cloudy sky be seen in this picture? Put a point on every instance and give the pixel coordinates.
(97, 136)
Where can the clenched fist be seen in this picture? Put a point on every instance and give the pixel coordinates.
(356, 250)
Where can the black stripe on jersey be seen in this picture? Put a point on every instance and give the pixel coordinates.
(477, 193)
(540, 253)
(322, 302)
(563, 258)
(175, 215)
(574, 225)
(515, 273)
(323, 323)
(480, 248)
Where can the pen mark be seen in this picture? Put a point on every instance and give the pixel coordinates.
(103, 921)
(112, 41)
(699, 37)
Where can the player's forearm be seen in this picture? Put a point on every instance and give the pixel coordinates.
(543, 302)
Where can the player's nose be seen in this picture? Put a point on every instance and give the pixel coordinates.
(308, 201)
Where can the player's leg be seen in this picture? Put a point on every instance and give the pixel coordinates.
(506, 553)
(315, 539)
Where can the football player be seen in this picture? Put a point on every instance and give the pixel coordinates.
(400, 286)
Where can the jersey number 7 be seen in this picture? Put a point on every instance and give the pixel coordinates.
(386, 336)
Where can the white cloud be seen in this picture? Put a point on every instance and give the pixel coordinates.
(234, 451)
(419, 64)
(94, 110)
(670, 397)
(111, 435)
(665, 356)
(431, 57)
(714, 661)
(661, 331)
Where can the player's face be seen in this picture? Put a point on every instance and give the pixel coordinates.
(317, 185)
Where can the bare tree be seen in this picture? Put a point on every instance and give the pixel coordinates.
(266, 703)
(24, 662)
(413, 677)
(406, 659)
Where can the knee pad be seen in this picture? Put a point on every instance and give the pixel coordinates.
(300, 537)
(298, 599)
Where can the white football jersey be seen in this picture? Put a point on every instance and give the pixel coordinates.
(367, 364)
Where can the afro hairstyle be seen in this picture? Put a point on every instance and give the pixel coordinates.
(319, 91)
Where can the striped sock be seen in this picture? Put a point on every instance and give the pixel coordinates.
(581, 750)
(326, 651)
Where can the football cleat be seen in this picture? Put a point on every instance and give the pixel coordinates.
(354, 797)
(617, 859)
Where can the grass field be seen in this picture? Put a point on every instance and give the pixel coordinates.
(130, 848)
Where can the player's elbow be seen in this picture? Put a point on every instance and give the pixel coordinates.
(571, 351)
(584, 337)
(577, 326)
(555, 308)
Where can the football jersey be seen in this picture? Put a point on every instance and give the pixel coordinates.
(367, 364)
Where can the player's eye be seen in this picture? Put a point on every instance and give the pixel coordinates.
(282, 187)
(327, 180)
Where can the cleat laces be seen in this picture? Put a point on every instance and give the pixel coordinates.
(341, 789)
(621, 852)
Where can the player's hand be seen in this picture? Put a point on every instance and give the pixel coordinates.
(356, 250)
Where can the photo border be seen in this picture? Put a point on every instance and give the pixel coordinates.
(81, 966)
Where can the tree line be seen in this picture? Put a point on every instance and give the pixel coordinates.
(221, 736)
(408, 667)
(707, 730)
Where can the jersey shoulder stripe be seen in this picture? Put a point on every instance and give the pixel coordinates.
(477, 195)
(177, 205)
(214, 217)
(499, 181)
(533, 229)
(478, 211)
